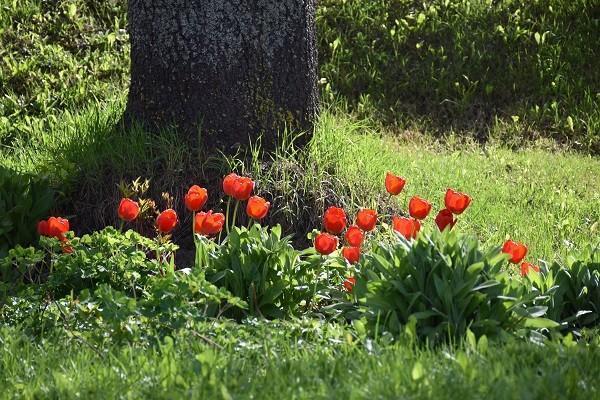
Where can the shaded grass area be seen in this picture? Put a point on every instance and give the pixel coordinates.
(292, 360)
(549, 200)
(501, 69)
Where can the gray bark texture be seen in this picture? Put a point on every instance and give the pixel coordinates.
(236, 69)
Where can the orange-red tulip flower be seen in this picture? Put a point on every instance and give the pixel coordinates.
(394, 184)
(444, 219)
(407, 227)
(57, 227)
(354, 236)
(242, 188)
(366, 219)
(517, 251)
(166, 221)
(42, 228)
(54, 227)
(128, 210)
(334, 220)
(526, 267)
(257, 207)
(209, 223)
(196, 198)
(326, 243)
(349, 283)
(456, 202)
(351, 254)
(418, 207)
(228, 184)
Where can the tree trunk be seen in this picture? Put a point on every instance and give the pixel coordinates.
(230, 69)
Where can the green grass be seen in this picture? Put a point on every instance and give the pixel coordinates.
(503, 70)
(549, 200)
(304, 360)
(59, 64)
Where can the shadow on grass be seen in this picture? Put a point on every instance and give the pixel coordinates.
(89, 155)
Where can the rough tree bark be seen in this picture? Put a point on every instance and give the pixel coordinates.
(235, 68)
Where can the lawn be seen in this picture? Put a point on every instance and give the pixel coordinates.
(300, 360)
(108, 322)
(547, 199)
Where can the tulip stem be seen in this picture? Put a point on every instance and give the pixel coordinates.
(121, 226)
(235, 209)
(226, 217)
(193, 225)
(200, 254)
(158, 255)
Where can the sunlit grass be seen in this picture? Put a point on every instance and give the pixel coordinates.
(548, 200)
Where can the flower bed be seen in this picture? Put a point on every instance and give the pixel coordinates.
(393, 274)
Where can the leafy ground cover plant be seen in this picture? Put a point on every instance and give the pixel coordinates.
(261, 267)
(24, 199)
(572, 289)
(124, 261)
(447, 285)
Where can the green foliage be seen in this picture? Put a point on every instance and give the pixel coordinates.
(124, 261)
(20, 267)
(518, 70)
(305, 359)
(521, 69)
(182, 298)
(24, 200)
(259, 266)
(573, 289)
(170, 303)
(56, 56)
(439, 287)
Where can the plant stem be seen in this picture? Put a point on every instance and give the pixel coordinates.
(194, 225)
(226, 217)
(158, 254)
(235, 209)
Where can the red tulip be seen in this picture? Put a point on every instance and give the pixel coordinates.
(407, 227)
(228, 184)
(394, 184)
(418, 207)
(517, 251)
(525, 267)
(366, 219)
(57, 227)
(444, 219)
(352, 254)
(166, 221)
(326, 243)
(334, 220)
(354, 236)
(349, 283)
(42, 228)
(208, 223)
(242, 188)
(128, 210)
(456, 202)
(66, 249)
(257, 207)
(196, 198)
